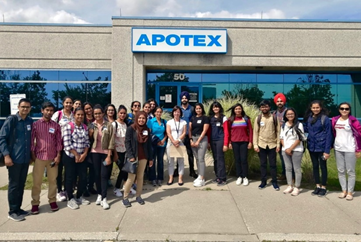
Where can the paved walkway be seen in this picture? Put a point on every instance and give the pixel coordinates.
(174, 213)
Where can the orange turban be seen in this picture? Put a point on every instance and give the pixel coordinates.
(279, 95)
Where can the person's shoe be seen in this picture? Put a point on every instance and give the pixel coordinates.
(23, 213)
(239, 181)
(35, 209)
(110, 183)
(104, 204)
(199, 183)
(92, 190)
(245, 181)
(99, 199)
(154, 183)
(61, 196)
(275, 186)
(72, 204)
(221, 183)
(215, 180)
(54, 207)
(349, 197)
(193, 174)
(140, 200)
(316, 191)
(295, 191)
(160, 183)
(170, 183)
(322, 192)
(117, 192)
(82, 201)
(289, 189)
(262, 185)
(15, 217)
(180, 183)
(126, 203)
(342, 195)
(86, 193)
(197, 179)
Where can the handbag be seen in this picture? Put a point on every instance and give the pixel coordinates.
(130, 167)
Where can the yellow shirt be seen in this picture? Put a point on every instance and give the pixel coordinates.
(266, 134)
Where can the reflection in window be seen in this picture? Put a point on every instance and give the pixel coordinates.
(215, 77)
(245, 78)
(270, 78)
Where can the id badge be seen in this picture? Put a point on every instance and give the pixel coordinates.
(28, 127)
(199, 121)
(218, 124)
(52, 130)
(145, 132)
(262, 123)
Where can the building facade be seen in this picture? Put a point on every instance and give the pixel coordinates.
(306, 60)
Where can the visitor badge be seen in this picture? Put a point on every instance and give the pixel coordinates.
(52, 130)
(28, 127)
(199, 121)
(347, 127)
(262, 123)
(218, 124)
(145, 132)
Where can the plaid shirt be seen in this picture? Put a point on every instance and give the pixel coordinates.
(78, 140)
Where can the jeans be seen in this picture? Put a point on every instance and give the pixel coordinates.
(218, 158)
(122, 176)
(187, 143)
(346, 162)
(158, 164)
(90, 173)
(72, 171)
(101, 173)
(17, 174)
(282, 161)
(240, 152)
(271, 155)
(317, 163)
(59, 179)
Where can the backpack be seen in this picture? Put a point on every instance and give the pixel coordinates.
(275, 123)
(72, 127)
(301, 136)
(60, 115)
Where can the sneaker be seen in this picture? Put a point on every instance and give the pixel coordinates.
(262, 185)
(160, 183)
(104, 204)
(197, 179)
(221, 183)
(316, 191)
(35, 209)
(54, 207)
(132, 191)
(61, 197)
(215, 180)
(289, 189)
(99, 199)
(199, 183)
(117, 192)
(322, 192)
(23, 213)
(275, 186)
(126, 203)
(140, 200)
(82, 201)
(245, 181)
(295, 192)
(239, 181)
(72, 204)
(154, 183)
(15, 217)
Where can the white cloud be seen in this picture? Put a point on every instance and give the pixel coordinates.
(271, 14)
(149, 8)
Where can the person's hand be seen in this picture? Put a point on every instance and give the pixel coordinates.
(108, 160)
(82, 157)
(8, 161)
(176, 142)
(77, 158)
(230, 146)
(288, 152)
(278, 149)
(326, 156)
(358, 154)
(150, 163)
(256, 149)
(57, 160)
(33, 158)
(115, 156)
(161, 143)
(209, 146)
(249, 146)
(225, 148)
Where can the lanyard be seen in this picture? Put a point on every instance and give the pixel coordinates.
(177, 129)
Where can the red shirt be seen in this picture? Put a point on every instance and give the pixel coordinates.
(46, 139)
(239, 131)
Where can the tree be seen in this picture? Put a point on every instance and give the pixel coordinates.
(166, 77)
(244, 91)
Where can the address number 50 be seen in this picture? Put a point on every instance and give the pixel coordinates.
(178, 77)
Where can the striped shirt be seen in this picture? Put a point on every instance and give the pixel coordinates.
(46, 139)
(78, 140)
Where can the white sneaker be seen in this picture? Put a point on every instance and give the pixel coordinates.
(239, 181)
(99, 199)
(60, 197)
(199, 183)
(82, 201)
(197, 179)
(245, 181)
(117, 192)
(104, 204)
(132, 191)
(72, 204)
(289, 189)
(295, 191)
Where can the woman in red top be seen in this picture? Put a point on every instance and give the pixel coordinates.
(238, 136)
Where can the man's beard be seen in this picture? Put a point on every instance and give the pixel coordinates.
(184, 102)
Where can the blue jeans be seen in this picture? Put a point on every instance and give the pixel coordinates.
(158, 164)
(17, 178)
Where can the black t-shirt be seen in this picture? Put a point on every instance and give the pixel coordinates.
(198, 123)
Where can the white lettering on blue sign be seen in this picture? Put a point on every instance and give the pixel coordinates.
(179, 40)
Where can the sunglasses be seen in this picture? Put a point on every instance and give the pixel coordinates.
(345, 109)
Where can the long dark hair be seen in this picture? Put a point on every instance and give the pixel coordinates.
(211, 112)
(295, 121)
(202, 107)
(233, 114)
(121, 106)
(343, 103)
(309, 113)
(106, 112)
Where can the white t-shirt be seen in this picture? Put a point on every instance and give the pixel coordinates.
(177, 128)
(64, 119)
(119, 136)
(289, 137)
(344, 140)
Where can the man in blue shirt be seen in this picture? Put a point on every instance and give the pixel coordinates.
(187, 110)
(17, 131)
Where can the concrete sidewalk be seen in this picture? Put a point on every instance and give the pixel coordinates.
(174, 213)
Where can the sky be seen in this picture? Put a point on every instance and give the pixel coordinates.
(101, 11)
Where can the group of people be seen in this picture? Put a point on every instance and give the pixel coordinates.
(86, 140)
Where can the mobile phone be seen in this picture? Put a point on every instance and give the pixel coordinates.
(104, 163)
(52, 164)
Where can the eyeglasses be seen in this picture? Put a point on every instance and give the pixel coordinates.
(345, 109)
(25, 107)
(136, 106)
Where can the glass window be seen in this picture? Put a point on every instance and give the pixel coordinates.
(270, 78)
(214, 91)
(246, 78)
(174, 77)
(215, 77)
